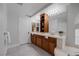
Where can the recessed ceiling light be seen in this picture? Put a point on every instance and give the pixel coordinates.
(21, 4)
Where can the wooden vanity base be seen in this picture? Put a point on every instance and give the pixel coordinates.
(48, 44)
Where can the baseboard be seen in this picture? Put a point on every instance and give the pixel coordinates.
(15, 45)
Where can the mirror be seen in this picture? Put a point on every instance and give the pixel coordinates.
(35, 27)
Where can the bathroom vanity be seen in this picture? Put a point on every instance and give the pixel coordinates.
(45, 41)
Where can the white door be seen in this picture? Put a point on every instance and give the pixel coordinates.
(24, 29)
(28, 32)
(3, 22)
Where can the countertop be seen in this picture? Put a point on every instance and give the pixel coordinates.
(48, 35)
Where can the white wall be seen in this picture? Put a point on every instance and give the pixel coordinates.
(58, 23)
(57, 17)
(17, 26)
(72, 23)
(3, 28)
(12, 23)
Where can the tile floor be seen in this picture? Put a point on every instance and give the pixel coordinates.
(26, 50)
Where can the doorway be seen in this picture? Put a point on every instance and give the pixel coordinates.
(24, 30)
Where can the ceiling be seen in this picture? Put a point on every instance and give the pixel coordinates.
(26, 9)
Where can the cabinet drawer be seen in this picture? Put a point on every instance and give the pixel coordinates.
(53, 40)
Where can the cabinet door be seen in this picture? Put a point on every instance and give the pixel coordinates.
(52, 45)
(45, 44)
(51, 48)
(39, 41)
(33, 39)
(44, 22)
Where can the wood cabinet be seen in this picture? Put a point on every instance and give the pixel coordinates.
(48, 44)
(39, 41)
(33, 39)
(52, 45)
(44, 22)
(45, 44)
